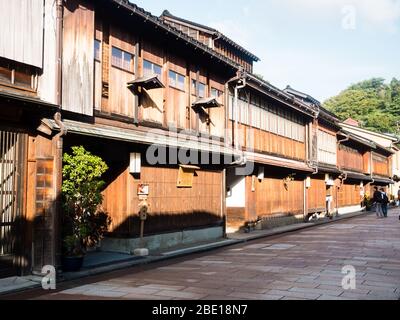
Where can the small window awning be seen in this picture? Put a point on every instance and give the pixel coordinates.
(206, 103)
(147, 82)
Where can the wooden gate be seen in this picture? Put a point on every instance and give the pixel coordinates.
(11, 151)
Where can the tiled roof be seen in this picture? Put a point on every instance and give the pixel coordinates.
(212, 31)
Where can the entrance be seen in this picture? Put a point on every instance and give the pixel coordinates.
(11, 151)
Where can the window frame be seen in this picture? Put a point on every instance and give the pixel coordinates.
(123, 68)
(176, 80)
(100, 50)
(196, 83)
(153, 65)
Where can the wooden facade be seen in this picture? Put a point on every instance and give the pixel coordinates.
(214, 39)
(123, 50)
(272, 196)
(349, 194)
(28, 153)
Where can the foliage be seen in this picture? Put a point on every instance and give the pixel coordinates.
(84, 223)
(375, 104)
(368, 202)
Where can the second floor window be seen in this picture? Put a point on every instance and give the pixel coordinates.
(150, 69)
(215, 93)
(176, 80)
(122, 59)
(202, 88)
(97, 50)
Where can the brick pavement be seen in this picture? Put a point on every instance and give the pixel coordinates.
(301, 265)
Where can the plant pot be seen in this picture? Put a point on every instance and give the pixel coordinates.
(72, 264)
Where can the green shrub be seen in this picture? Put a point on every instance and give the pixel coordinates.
(84, 223)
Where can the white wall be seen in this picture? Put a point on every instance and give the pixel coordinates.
(237, 185)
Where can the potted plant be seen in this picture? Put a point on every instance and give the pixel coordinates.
(84, 223)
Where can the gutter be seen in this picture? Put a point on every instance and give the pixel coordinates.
(310, 145)
(58, 142)
(239, 78)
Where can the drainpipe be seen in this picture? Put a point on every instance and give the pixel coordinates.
(138, 93)
(236, 112)
(371, 168)
(310, 144)
(240, 78)
(59, 46)
(58, 141)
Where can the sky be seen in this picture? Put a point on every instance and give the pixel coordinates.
(319, 47)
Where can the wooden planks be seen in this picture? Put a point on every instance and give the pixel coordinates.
(272, 198)
(350, 158)
(171, 208)
(316, 195)
(380, 165)
(78, 57)
(349, 195)
(21, 25)
(267, 142)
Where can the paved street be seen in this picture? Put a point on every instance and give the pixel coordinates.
(301, 265)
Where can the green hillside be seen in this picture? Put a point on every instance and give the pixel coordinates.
(373, 102)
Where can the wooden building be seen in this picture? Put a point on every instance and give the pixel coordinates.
(274, 130)
(213, 39)
(384, 141)
(151, 101)
(321, 187)
(29, 153)
(354, 160)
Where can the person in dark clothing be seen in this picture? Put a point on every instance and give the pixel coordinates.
(385, 202)
(398, 198)
(378, 203)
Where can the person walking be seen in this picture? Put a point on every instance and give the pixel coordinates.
(385, 202)
(378, 198)
(398, 198)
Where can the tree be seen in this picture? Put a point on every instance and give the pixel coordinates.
(84, 223)
(373, 103)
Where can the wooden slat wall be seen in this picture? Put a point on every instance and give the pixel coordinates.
(349, 195)
(21, 25)
(217, 115)
(367, 162)
(316, 195)
(121, 100)
(47, 90)
(380, 165)
(152, 104)
(225, 51)
(39, 200)
(176, 100)
(169, 107)
(78, 57)
(271, 143)
(352, 160)
(271, 198)
(171, 208)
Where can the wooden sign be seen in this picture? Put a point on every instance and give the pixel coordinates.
(185, 176)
